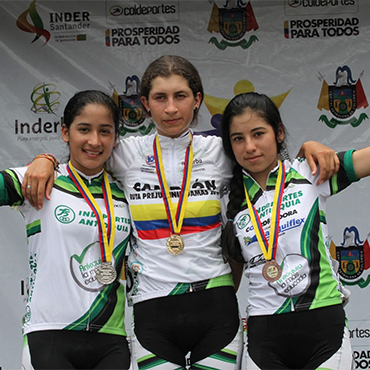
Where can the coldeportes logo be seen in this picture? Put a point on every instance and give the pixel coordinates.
(134, 118)
(232, 22)
(342, 99)
(353, 256)
(37, 26)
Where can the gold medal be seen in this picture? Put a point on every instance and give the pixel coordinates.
(271, 271)
(175, 244)
(106, 273)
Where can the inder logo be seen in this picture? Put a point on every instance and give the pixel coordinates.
(31, 22)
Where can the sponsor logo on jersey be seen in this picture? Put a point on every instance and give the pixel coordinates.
(64, 214)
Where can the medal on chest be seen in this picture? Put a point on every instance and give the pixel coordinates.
(271, 271)
(175, 243)
(105, 273)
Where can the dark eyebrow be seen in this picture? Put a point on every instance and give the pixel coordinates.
(89, 124)
(159, 93)
(253, 130)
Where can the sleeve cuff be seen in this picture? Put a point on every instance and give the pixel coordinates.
(348, 165)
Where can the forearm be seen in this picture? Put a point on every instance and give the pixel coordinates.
(361, 162)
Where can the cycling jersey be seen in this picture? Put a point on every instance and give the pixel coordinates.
(64, 252)
(308, 280)
(155, 272)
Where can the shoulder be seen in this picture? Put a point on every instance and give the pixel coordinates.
(127, 150)
(211, 146)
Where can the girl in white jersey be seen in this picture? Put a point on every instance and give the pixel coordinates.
(75, 311)
(182, 292)
(277, 229)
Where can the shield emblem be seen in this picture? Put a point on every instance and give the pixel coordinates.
(131, 109)
(342, 100)
(351, 261)
(233, 23)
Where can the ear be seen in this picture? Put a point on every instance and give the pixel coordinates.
(281, 133)
(116, 141)
(65, 133)
(198, 100)
(145, 102)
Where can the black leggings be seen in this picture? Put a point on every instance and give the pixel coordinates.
(201, 323)
(295, 340)
(64, 349)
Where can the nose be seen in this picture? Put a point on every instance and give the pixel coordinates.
(171, 106)
(250, 145)
(94, 139)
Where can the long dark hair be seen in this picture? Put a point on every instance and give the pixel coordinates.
(265, 108)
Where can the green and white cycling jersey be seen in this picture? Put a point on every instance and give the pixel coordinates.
(308, 279)
(64, 253)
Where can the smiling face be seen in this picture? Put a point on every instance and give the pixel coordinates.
(254, 144)
(171, 104)
(91, 138)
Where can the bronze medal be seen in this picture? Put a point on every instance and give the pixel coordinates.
(106, 273)
(271, 271)
(175, 244)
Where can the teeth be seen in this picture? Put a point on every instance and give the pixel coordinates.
(93, 153)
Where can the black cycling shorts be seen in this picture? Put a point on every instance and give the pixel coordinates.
(295, 340)
(64, 349)
(201, 323)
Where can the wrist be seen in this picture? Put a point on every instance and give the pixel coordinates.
(49, 157)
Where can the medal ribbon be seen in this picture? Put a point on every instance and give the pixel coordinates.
(269, 248)
(106, 234)
(175, 221)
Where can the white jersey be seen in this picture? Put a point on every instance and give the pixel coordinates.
(308, 279)
(155, 272)
(64, 252)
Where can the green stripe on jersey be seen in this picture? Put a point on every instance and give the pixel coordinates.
(33, 228)
(65, 184)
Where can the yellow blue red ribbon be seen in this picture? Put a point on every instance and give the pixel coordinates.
(106, 234)
(269, 248)
(175, 220)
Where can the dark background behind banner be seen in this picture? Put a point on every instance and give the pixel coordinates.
(311, 57)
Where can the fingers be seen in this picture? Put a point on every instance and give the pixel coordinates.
(38, 180)
(312, 163)
(329, 166)
(33, 192)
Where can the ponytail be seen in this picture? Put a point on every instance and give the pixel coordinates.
(231, 249)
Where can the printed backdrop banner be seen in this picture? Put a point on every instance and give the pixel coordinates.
(310, 56)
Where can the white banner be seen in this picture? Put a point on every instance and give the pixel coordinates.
(310, 56)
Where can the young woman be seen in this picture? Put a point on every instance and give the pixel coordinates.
(76, 305)
(277, 228)
(184, 305)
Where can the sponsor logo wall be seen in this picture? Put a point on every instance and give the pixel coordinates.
(311, 57)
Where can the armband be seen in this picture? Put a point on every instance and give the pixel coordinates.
(50, 157)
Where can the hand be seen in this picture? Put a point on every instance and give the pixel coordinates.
(38, 179)
(319, 154)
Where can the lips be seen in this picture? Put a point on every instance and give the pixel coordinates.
(172, 121)
(252, 159)
(92, 153)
